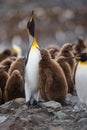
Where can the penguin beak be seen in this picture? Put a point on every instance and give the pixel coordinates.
(68, 58)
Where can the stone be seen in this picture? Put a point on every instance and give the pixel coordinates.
(2, 118)
(60, 115)
(52, 104)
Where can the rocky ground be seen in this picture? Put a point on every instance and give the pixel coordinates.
(56, 23)
(14, 115)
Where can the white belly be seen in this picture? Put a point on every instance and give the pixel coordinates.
(81, 82)
(32, 70)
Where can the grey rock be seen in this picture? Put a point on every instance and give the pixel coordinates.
(2, 118)
(52, 104)
(82, 121)
(60, 115)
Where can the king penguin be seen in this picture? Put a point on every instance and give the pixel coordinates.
(32, 67)
(81, 77)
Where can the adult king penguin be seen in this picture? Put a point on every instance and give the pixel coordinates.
(81, 77)
(32, 67)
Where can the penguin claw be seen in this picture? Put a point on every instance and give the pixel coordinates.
(34, 105)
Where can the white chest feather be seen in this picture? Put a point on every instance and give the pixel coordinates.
(81, 82)
(32, 69)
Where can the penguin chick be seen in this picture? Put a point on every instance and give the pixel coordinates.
(53, 50)
(3, 80)
(55, 84)
(79, 46)
(14, 86)
(8, 62)
(18, 64)
(81, 77)
(66, 50)
(0, 96)
(3, 68)
(6, 53)
(67, 71)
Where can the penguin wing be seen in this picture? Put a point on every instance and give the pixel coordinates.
(24, 65)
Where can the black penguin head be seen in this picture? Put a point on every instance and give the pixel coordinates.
(31, 25)
(81, 57)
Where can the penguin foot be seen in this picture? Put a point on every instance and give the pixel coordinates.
(28, 104)
(36, 104)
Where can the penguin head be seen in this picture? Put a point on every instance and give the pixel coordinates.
(61, 59)
(45, 54)
(81, 57)
(7, 52)
(66, 47)
(31, 25)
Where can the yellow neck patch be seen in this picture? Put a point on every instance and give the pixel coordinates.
(82, 63)
(35, 44)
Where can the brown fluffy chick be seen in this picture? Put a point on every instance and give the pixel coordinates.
(67, 71)
(66, 51)
(0, 96)
(6, 53)
(53, 84)
(18, 64)
(79, 46)
(14, 86)
(8, 61)
(3, 79)
(53, 50)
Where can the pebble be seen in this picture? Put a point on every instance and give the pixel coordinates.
(2, 118)
(52, 104)
(60, 115)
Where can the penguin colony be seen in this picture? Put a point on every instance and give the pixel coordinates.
(53, 71)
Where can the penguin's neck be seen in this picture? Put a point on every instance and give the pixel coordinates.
(35, 44)
(34, 54)
(82, 62)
